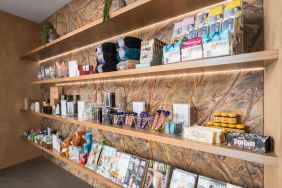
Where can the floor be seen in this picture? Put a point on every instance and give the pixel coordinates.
(37, 173)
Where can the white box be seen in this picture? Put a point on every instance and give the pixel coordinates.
(138, 107)
(181, 112)
(73, 68)
(63, 107)
(80, 109)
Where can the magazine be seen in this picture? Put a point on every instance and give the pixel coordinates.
(106, 161)
(157, 175)
(119, 169)
(136, 173)
(182, 179)
(94, 156)
(205, 182)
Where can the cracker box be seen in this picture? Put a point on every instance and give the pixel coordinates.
(171, 53)
(216, 44)
(192, 49)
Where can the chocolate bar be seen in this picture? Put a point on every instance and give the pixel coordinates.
(249, 141)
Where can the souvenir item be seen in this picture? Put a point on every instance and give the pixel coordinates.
(171, 53)
(73, 68)
(138, 107)
(128, 64)
(94, 156)
(216, 44)
(215, 19)
(136, 173)
(249, 141)
(130, 119)
(177, 31)
(150, 50)
(157, 175)
(181, 113)
(192, 49)
(159, 119)
(83, 159)
(106, 161)
(173, 128)
(188, 28)
(120, 167)
(232, 16)
(183, 179)
(204, 182)
(109, 99)
(199, 133)
(144, 120)
(201, 23)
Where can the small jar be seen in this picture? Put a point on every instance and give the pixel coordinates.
(232, 126)
(217, 117)
(210, 123)
(224, 118)
(217, 124)
(224, 125)
(232, 118)
(240, 126)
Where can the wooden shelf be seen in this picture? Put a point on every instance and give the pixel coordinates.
(235, 62)
(134, 16)
(89, 172)
(218, 149)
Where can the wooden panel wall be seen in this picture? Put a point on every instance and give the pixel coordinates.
(273, 88)
(16, 37)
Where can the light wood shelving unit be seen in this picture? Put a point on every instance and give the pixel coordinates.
(242, 61)
(218, 149)
(85, 170)
(134, 16)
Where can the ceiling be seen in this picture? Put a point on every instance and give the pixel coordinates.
(33, 10)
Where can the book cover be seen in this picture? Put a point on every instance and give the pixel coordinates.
(94, 156)
(106, 161)
(119, 169)
(183, 179)
(136, 173)
(157, 175)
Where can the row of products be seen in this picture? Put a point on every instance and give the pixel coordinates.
(63, 69)
(214, 32)
(124, 169)
(176, 123)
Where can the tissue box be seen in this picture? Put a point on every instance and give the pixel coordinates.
(216, 44)
(171, 53)
(192, 49)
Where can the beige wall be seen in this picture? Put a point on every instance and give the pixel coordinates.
(17, 36)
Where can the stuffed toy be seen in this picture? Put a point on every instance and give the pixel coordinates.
(79, 138)
(65, 147)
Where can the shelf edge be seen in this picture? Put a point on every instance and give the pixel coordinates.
(217, 149)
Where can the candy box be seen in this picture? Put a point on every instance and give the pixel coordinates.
(192, 49)
(217, 44)
(171, 53)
